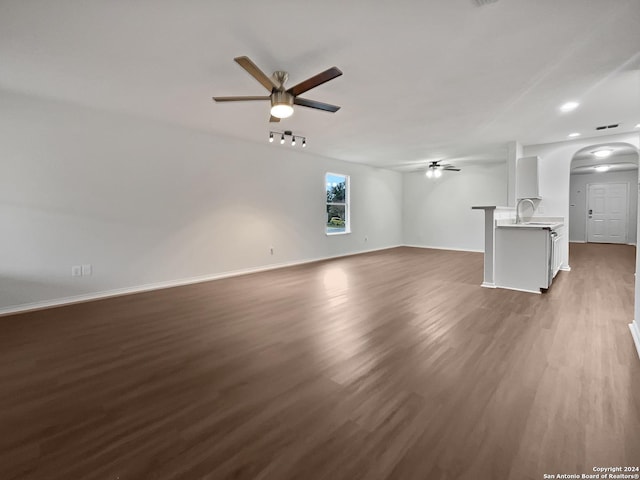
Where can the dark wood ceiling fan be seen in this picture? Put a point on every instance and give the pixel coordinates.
(443, 166)
(282, 100)
(434, 170)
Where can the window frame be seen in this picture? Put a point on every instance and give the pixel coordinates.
(347, 203)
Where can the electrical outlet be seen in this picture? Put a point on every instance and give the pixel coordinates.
(87, 270)
(271, 250)
(76, 271)
(366, 239)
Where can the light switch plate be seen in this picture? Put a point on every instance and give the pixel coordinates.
(76, 271)
(86, 270)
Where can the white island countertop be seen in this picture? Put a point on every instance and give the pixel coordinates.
(547, 223)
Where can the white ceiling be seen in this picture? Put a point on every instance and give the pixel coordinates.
(423, 80)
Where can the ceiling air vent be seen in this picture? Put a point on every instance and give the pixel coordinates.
(605, 127)
(481, 3)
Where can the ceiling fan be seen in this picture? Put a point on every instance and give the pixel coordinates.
(435, 169)
(282, 100)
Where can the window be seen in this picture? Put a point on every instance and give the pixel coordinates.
(337, 188)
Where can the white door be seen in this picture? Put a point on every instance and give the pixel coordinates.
(607, 213)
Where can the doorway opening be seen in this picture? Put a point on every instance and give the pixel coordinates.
(603, 195)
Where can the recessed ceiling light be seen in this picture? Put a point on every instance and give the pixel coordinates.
(638, 126)
(604, 153)
(569, 106)
(573, 135)
(601, 168)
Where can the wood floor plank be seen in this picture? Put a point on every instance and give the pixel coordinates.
(387, 365)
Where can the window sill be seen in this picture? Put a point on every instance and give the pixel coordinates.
(336, 233)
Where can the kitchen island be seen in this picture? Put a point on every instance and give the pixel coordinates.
(528, 255)
(522, 256)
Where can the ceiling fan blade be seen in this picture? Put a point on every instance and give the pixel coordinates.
(255, 72)
(451, 169)
(240, 99)
(274, 119)
(314, 81)
(313, 104)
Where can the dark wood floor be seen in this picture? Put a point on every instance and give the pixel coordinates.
(389, 365)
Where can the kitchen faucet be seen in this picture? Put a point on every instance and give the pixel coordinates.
(533, 206)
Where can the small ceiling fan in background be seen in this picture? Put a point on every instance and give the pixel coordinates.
(282, 100)
(434, 170)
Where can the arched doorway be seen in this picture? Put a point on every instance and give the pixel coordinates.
(603, 194)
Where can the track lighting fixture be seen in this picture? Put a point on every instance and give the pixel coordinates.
(288, 133)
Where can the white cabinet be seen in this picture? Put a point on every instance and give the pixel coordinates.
(528, 258)
(522, 258)
(527, 178)
(556, 256)
(557, 239)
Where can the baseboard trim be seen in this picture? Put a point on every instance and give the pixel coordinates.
(537, 292)
(446, 248)
(118, 292)
(635, 333)
(488, 285)
(565, 268)
(581, 241)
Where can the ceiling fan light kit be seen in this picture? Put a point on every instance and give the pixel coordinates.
(281, 104)
(282, 100)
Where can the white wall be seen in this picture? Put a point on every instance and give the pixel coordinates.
(555, 162)
(437, 212)
(578, 201)
(635, 325)
(145, 202)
